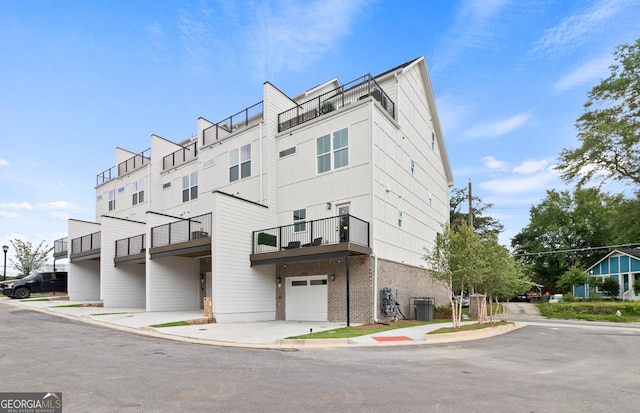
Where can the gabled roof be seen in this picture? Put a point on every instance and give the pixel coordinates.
(421, 63)
(633, 253)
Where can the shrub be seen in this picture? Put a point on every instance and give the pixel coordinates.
(568, 298)
(441, 313)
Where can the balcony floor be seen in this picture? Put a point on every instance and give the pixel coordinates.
(316, 253)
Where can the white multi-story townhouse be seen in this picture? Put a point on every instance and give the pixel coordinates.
(306, 208)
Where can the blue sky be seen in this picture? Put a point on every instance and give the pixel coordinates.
(79, 78)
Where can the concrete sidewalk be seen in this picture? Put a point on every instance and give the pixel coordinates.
(264, 334)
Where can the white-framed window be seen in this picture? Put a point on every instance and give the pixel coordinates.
(332, 152)
(240, 163)
(299, 217)
(190, 187)
(112, 199)
(138, 192)
(341, 148)
(323, 152)
(287, 152)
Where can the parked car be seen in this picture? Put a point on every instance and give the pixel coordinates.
(523, 298)
(556, 298)
(38, 282)
(465, 300)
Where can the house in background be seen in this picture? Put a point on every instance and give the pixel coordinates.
(622, 265)
(310, 207)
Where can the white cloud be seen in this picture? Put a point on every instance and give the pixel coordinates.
(515, 185)
(59, 210)
(474, 28)
(497, 128)
(58, 206)
(529, 167)
(587, 73)
(297, 33)
(9, 215)
(453, 112)
(578, 28)
(492, 163)
(16, 206)
(4, 162)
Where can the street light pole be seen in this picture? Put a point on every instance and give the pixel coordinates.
(5, 248)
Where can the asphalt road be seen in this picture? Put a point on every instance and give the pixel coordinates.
(546, 367)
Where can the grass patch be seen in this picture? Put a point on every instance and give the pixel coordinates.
(593, 311)
(348, 332)
(172, 324)
(68, 305)
(468, 327)
(38, 299)
(97, 314)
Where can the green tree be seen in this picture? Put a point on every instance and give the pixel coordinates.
(573, 276)
(500, 279)
(565, 221)
(453, 261)
(28, 258)
(625, 221)
(459, 199)
(609, 128)
(610, 287)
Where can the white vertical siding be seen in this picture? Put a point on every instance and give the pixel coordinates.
(299, 184)
(83, 283)
(421, 195)
(240, 292)
(122, 286)
(172, 283)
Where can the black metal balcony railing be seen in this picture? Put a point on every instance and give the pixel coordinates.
(328, 102)
(131, 164)
(60, 246)
(227, 127)
(85, 243)
(184, 230)
(130, 246)
(334, 230)
(182, 155)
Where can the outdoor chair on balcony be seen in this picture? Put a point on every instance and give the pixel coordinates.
(292, 245)
(315, 243)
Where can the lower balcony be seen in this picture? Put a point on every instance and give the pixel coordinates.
(130, 250)
(60, 248)
(86, 247)
(189, 237)
(320, 239)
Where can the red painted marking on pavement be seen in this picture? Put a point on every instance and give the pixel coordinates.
(392, 338)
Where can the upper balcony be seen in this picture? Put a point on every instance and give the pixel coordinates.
(189, 237)
(130, 250)
(86, 247)
(181, 156)
(320, 239)
(224, 129)
(60, 248)
(135, 162)
(343, 96)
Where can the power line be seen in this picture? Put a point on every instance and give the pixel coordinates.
(527, 254)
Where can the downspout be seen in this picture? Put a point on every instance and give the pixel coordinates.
(375, 287)
(261, 167)
(372, 238)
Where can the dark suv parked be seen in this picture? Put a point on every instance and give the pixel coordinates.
(38, 282)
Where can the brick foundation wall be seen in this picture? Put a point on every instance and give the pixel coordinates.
(408, 281)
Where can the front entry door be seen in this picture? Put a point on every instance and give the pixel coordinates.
(343, 212)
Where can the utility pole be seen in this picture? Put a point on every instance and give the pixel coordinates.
(470, 206)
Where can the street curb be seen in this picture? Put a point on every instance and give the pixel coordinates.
(473, 334)
(284, 344)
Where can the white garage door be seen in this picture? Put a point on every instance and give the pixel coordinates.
(307, 298)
